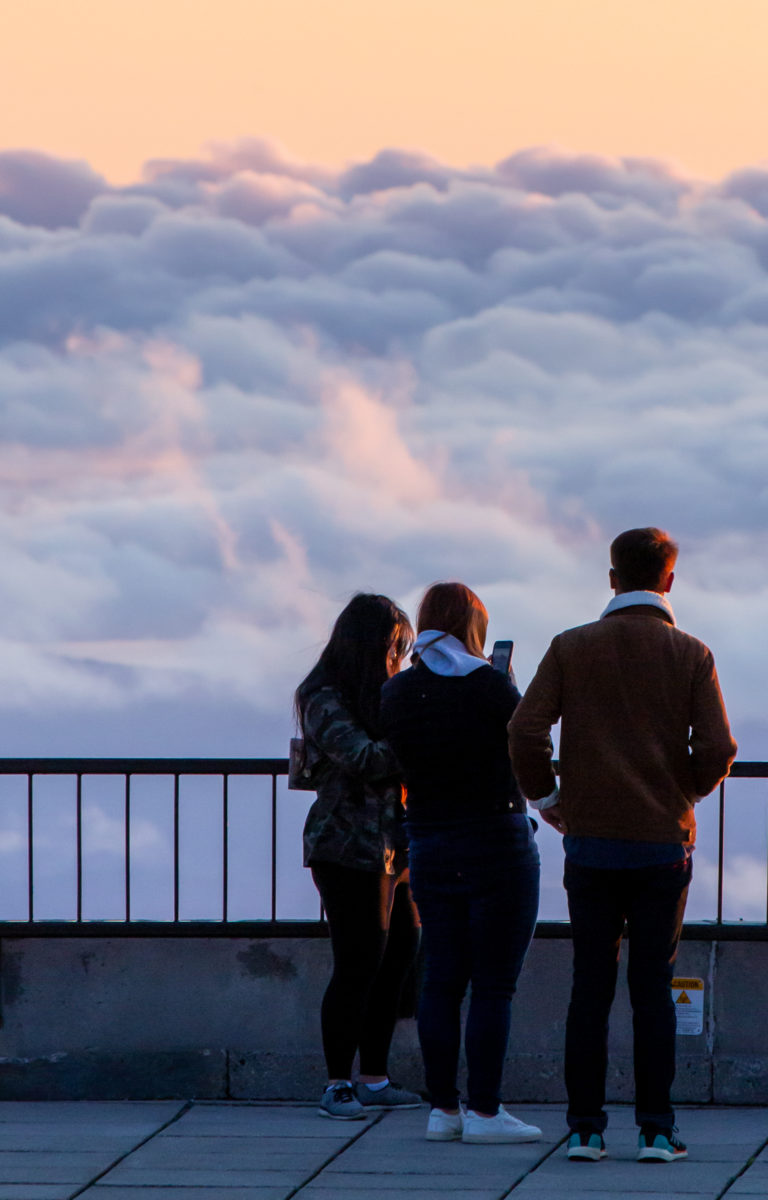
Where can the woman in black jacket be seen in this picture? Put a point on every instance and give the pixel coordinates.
(354, 843)
(474, 861)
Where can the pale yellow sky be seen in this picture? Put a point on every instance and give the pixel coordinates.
(468, 81)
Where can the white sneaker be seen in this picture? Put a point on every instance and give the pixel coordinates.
(444, 1127)
(501, 1128)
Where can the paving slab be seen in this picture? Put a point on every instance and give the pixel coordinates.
(627, 1177)
(240, 1151)
(314, 1192)
(51, 1166)
(394, 1158)
(47, 1137)
(257, 1150)
(215, 1176)
(754, 1181)
(296, 1121)
(125, 1115)
(489, 1183)
(267, 1153)
(48, 1151)
(35, 1191)
(106, 1192)
(619, 1193)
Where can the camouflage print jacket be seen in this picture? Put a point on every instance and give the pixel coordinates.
(357, 819)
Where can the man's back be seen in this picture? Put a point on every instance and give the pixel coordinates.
(644, 735)
(630, 689)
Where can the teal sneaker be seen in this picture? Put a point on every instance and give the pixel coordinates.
(586, 1145)
(659, 1145)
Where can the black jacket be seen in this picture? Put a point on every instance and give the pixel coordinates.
(449, 735)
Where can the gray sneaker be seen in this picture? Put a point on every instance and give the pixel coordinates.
(390, 1096)
(341, 1103)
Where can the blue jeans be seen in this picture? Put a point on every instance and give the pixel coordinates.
(476, 886)
(652, 902)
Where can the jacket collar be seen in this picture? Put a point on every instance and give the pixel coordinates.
(444, 654)
(658, 604)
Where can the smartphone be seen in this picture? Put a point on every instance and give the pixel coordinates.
(501, 657)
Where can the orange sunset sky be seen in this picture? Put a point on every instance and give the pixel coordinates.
(119, 81)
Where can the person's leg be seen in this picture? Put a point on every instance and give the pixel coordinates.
(357, 906)
(382, 1008)
(655, 919)
(596, 908)
(440, 898)
(503, 910)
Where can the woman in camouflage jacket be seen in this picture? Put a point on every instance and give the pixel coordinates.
(355, 845)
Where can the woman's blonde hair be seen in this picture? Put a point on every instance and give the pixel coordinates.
(454, 608)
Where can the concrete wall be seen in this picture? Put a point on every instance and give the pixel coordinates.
(216, 1018)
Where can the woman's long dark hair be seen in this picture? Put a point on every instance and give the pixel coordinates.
(355, 659)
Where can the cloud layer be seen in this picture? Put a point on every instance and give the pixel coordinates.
(246, 386)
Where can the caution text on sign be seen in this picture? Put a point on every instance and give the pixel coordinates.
(688, 996)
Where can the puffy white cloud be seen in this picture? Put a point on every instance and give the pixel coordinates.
(749, 185)
(610, 182)
(37, 189)
(236, 392)
(393, 169)
(227, 159)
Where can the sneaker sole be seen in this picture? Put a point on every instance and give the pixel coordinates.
(443, 1137)
(389, 1107)
(323, 1112)
(584, 1154)
(484, 1139)
(653, 1155)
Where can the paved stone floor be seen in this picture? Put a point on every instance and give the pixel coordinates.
(218, 1151)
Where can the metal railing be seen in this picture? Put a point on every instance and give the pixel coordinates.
(128, 769)
(272, 925)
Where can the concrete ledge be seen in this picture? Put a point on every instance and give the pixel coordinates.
(95, 1075)
(741, 1080)
(693, 1079)
(268, 1074)
(239, 1018)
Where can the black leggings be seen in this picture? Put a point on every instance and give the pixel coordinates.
(374, 936)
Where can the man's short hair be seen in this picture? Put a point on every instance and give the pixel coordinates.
(642, 557)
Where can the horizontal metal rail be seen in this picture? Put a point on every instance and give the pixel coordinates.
(143, 766)
(224, 926)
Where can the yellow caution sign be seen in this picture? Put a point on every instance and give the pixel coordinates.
(688, 997)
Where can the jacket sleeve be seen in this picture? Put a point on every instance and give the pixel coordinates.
(343, 741)
(530, 744)
(712, 746)
(501, 695)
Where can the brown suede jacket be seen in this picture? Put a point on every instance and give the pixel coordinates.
(644, 731)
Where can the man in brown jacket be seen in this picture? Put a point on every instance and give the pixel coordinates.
(644, 735)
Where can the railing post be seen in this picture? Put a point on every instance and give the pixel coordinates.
(176, 847)
(721, 853)
(127, 847)
(225, 850)
(79, 838)
(30, 850)
(274, 847)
